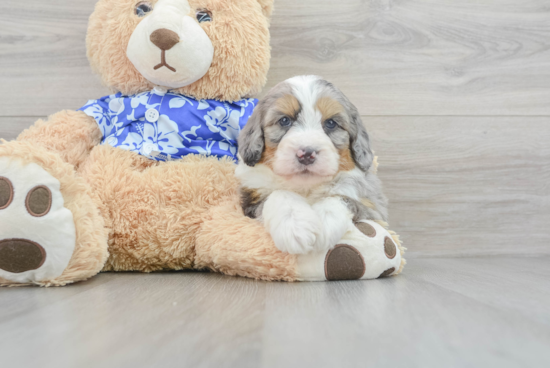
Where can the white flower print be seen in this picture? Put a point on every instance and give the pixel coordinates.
(207, 127)
(245, 103)
(164, 134)
(132, 116)
(179, 102)
(168, 139)
(133, 142)
(116, 106)
(219, 122)
(100, 117)
(204, 151)
(192, 132)
(224, 146)
(203, 105)
(140, 99)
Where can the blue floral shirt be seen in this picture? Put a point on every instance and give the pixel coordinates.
(165, 126)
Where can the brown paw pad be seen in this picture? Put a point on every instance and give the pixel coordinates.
(390, 248)
(6, 193)
(366, 229)
(20, 255)
(387, 272)
(344, 262)
(39, 201)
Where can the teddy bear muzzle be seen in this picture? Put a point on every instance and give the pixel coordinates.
(165, 40)
(169, 47)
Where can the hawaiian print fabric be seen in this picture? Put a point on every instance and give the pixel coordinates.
(167, 126)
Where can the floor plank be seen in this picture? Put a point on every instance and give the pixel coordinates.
(415, 57)
(440, 312)
(421, 57)
(43, 64)
(466, 185)
(457, 185)
(11, 127)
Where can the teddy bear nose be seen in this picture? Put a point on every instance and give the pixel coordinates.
(164, 39)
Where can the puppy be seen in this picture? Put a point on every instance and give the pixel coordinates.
(304, 166)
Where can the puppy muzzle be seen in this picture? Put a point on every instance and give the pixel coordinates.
(306, 154)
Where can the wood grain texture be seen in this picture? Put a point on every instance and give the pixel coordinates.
(466, 185)
(406, 57)
(43, 64)
(421, 57)
(441, 313)
(11, 127)
(457, 185)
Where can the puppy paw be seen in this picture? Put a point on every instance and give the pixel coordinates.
(292, 223)
(335, 218)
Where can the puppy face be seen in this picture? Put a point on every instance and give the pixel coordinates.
(306, 131)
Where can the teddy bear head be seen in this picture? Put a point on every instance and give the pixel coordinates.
(206, 49)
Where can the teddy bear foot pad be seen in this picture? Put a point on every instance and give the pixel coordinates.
(37, 233)
(367, 251)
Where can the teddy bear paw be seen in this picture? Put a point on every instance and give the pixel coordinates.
(37, 232)
(367, 251)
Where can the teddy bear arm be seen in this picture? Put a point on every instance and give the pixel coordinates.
(236, 245)
(70, 134)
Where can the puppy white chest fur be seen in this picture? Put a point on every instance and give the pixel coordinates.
(300, 219)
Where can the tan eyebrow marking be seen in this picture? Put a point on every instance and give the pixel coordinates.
(346, 161)
(268, 156)
(289, 106)
(329, 107)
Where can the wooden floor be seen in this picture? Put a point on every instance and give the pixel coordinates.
(443, 312)
(456, 97)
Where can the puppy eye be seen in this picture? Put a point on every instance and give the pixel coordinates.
(204, 16)
(285, 122)
(331, 124)
(143, 8)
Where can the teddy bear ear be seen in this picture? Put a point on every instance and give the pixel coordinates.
(267, 7)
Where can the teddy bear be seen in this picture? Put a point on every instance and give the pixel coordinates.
(143, 179)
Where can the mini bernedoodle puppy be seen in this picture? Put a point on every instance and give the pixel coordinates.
(305, 166)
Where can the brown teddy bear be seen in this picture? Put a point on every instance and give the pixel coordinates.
(143, 180)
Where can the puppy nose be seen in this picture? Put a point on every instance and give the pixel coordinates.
(306, 156)
(164, 39)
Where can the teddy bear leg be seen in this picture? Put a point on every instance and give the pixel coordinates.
(230, 243)
(51, 232)
(366, 251)
(153, 209)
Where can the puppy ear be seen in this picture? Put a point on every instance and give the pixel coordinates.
(251, 139)
(360, 143)
(267, 7)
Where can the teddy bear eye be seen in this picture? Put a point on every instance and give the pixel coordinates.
(143, 8)
(204, 16)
